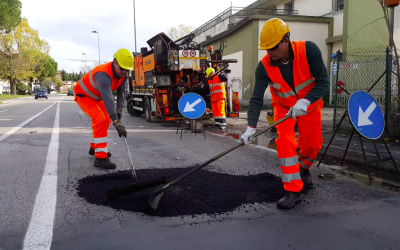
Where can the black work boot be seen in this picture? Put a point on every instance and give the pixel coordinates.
(306, 177)
(289, 200)
(91, 152)
(104, 163)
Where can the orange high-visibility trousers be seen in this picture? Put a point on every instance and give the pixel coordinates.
(309, 140)
(100, 123)
(218, 109)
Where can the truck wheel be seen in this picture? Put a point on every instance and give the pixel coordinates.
(131, 110)
(147, 111)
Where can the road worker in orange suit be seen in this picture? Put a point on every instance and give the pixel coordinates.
(297, 78)
(93, 93)
(217, 96)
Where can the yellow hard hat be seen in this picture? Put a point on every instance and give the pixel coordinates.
(208, 71)
(124, 58)
(272, 33)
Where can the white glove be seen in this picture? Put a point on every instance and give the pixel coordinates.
(299, 109)
(249, 132)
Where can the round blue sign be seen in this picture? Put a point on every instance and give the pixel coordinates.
(192, 105)
(366, 115)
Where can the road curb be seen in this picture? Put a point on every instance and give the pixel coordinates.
(376, 182)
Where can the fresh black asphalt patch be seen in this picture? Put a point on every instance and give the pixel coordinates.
(203, 192)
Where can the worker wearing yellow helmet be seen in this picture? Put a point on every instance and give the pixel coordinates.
(217, 96)
(93, 93)
(297, 78)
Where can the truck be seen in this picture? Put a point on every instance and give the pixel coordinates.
(169, 70)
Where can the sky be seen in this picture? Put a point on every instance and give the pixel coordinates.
(67, 25)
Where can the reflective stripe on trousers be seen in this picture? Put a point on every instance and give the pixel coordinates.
(305, 162)
(218, 109)
(100, 123)
(309, 141)
(290, 174)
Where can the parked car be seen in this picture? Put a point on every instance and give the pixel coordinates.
(53, 92)
(41, 92)
(70, 92)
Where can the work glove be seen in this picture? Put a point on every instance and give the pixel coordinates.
(299, 109)
(119, 113)
(121, 129)
(246, 136)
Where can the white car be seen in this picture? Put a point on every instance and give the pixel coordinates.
(53, 92)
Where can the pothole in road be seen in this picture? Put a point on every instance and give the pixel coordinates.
(204, 192)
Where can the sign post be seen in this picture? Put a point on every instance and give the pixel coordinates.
(367, 119)
(192, 106)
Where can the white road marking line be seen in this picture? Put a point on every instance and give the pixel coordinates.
(1, 111)
(15, 129)
(40, 230)
(5, 119)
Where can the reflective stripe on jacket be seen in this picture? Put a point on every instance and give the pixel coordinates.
(281, 92)
(88, 85)
(217, 89)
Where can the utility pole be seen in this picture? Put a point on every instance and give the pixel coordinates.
(134, 22)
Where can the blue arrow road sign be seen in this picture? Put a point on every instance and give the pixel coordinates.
(366, 115)
(192, 106)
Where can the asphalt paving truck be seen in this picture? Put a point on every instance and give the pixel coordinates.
(167, 71)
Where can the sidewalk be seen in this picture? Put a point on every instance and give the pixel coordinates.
(354, 162)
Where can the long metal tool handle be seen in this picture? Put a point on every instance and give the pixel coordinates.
(130, 158)
(222, 154)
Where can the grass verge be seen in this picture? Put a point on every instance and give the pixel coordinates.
(5, 97)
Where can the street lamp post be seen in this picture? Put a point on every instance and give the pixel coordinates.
(134, 22)
(85, 62)
(98, 42)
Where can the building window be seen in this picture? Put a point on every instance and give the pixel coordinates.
(338, 5)
(289, 7)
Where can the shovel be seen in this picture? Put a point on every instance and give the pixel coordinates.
(156, 195)
(138, 186)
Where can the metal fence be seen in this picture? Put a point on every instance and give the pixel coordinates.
(237, 14)
(371, 69)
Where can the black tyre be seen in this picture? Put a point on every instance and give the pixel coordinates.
(131, 110)
(147, 111)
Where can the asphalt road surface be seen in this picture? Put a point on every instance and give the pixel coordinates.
(51, 196)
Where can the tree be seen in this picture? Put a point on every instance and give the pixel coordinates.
(47, 83)
(21, 51)
(47, 67)
(10, 15)
(57, 82)
(21, 88)
(177, 32)
(63, 75)
(386, 16)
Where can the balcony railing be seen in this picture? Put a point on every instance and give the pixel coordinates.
(236, 14)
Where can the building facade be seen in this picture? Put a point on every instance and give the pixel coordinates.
(332, 24)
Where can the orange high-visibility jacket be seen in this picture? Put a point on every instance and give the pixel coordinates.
(217, 89)
(281, 92)
(88, 86)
